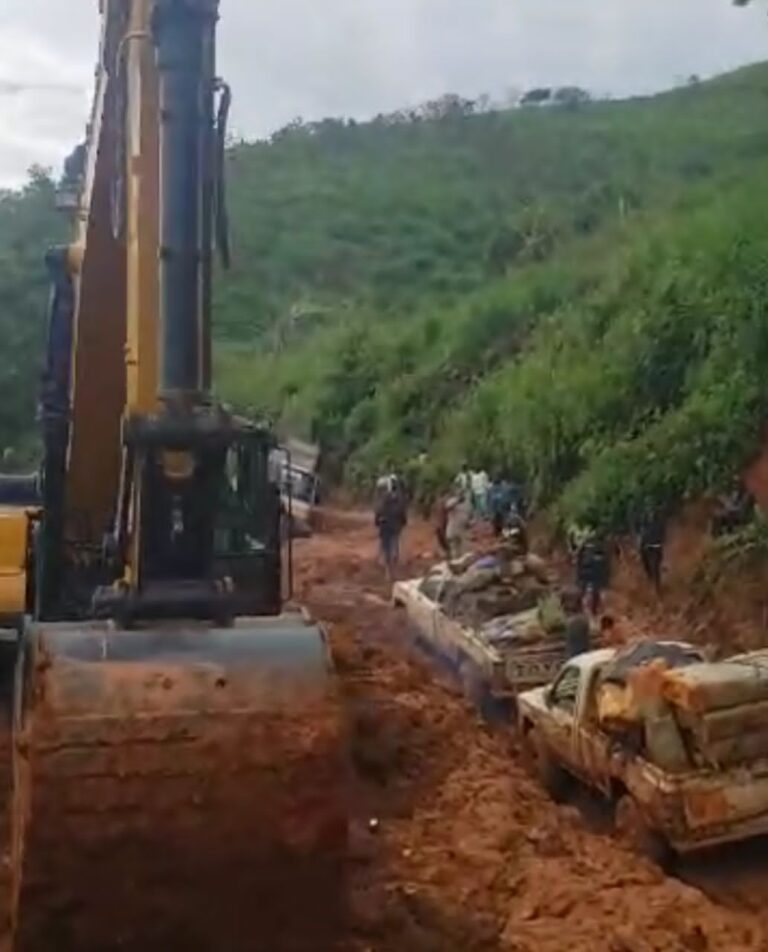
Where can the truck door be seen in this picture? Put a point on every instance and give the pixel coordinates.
(592, 744)
(563, 703)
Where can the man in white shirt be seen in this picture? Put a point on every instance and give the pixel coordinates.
(480, 484)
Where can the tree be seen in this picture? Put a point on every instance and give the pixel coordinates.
(536, 97)
(571, 97)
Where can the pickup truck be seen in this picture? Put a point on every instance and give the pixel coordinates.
(493, 662)
(658, 812)
(299, 482)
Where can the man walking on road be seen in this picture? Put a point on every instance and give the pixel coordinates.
(391, 517)
(578, 635)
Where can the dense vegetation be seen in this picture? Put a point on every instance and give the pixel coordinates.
(28, 224)
(575, 292)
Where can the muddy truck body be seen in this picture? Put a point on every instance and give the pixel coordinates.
(493, 661)
(661, 810)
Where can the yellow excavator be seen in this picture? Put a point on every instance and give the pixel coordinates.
(175, 769)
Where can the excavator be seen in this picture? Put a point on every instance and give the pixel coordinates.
(173, 747)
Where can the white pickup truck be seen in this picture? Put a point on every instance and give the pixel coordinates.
(660, 812)
(494, 661)
(297, 464)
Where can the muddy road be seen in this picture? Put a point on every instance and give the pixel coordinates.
(454, 848)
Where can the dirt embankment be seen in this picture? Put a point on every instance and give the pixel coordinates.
(719, 602)
(455, 849)
(722, 602)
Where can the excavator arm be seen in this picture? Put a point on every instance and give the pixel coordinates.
(178, 765)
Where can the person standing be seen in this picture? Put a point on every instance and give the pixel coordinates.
(610, 636)
(516, 530)
(463, 481)
(652, 538)
(383, 486)
(578, 634)
(441, 525)
(517, 498)
(480, 486)
(576, 536)
(499, 503)
(592, 569)
(459, 516)
(736, 510)
(391, 517)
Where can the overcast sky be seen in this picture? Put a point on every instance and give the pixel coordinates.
(315, 58)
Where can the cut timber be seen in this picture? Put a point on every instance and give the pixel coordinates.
(708, 687)
(731, 721)
(743, 748)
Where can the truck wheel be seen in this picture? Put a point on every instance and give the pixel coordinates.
(543, 766)
(471, 685)
(633, 830)
(475, 689)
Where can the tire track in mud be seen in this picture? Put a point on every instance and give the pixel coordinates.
(454, 849)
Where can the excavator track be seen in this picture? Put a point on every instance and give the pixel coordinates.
(179, 789)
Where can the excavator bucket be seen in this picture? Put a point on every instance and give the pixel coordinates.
(179, 787)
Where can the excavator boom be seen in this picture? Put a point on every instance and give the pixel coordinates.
(178, 774)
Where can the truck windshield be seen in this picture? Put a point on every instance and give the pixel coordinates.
(430, 587)
(565, 689)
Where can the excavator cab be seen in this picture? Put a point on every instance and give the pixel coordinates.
(248, 538)
(209, 542)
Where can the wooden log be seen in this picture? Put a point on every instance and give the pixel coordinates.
(705, 687)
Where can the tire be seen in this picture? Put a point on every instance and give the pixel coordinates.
(543, 766)
(634, 831)
(476, 690)
(471, 684)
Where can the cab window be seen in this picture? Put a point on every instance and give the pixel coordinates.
(430, 587)
(565, 690)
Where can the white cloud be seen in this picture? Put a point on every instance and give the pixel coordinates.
(359, 57)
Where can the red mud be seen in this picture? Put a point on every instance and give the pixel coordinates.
(467, 853)
(453, 848)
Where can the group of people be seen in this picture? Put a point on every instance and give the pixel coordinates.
(591, 553)
(476, 497)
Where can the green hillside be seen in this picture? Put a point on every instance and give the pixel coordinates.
(28, 226)
(577, 294)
